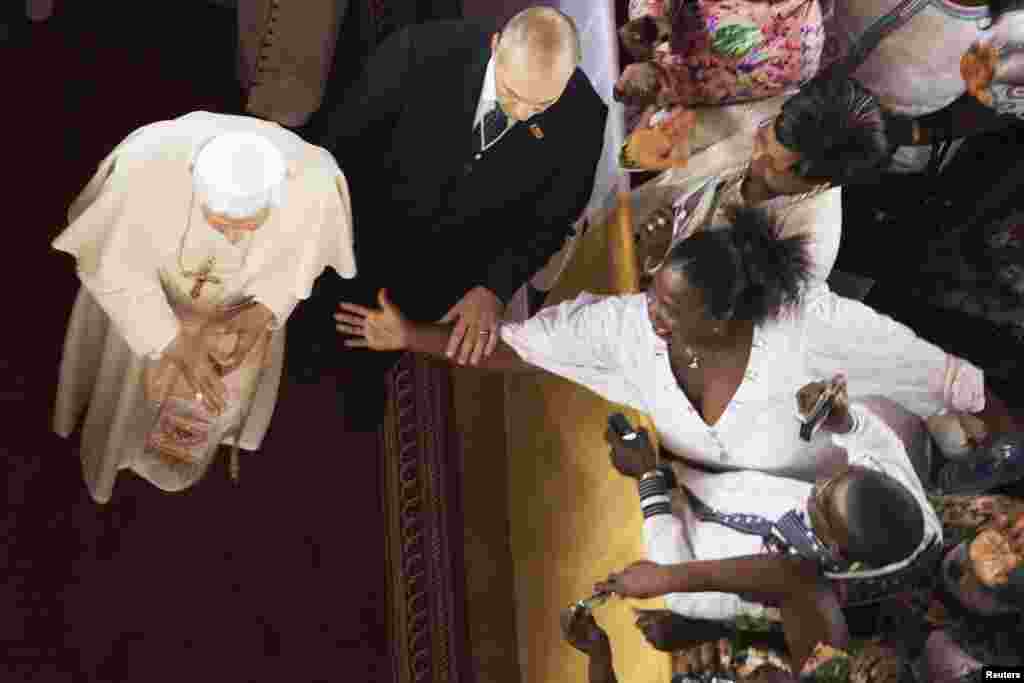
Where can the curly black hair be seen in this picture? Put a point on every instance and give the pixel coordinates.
(838, 128)
(746, 271)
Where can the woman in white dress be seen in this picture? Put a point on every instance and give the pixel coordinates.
(717, 348)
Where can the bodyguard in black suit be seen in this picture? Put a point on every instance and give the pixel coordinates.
(452, 217)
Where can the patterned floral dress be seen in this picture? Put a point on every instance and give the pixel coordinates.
(906, 621)
(738, 50)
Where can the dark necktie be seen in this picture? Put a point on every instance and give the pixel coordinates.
(494, 124)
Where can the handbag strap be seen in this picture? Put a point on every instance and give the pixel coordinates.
(876, 32)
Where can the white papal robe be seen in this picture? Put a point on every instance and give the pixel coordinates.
(133, 230)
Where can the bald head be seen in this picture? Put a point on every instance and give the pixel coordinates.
(535, 56)
(543, 38)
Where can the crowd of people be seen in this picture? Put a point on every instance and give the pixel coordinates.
(201, 240)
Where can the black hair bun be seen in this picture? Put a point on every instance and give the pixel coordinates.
(746, 271)
(774, 269)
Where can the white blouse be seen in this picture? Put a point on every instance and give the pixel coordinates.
(607, 344)
(680, 537)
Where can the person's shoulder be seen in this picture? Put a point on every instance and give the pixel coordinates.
(154, 141)
(579, 116)
(825, 206)
(450, 35)
(830, 200)
(610, 306)
(625, 313)
(581, 98)
(582, 87)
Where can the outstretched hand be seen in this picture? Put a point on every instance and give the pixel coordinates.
(381, 329)
(998, 551)
(476, 318)
(639, 580)
(582, 632)
(839, 420)
(977, 68)
(658, 145)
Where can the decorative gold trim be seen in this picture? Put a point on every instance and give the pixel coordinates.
(420, 487)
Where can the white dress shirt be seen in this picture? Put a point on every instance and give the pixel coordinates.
(681, 537)
(488, 101)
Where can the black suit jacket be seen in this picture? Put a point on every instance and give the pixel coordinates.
(403, 137)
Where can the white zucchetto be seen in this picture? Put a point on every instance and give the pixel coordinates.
(239, 174)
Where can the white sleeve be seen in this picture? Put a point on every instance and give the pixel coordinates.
(665, 543)
(881, 356)
(587, 341)
(301, 255)
(278, 299)
(144, 319)
(874, 445)
(821, 220)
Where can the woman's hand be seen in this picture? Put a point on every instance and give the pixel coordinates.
(582, 632)
(839, 420)
(997, 551)
(639, 580)
(383, 329)
(631, 458)
(977, 68)
(664, 144)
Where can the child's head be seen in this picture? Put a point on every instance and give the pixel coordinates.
(866, 516)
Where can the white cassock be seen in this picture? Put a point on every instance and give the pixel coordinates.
(134, 230)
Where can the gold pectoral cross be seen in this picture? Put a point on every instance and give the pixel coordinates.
(203, 276)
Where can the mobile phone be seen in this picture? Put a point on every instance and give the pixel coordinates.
(822, 409)
(620, 425)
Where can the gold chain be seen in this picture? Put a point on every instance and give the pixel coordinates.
(209, 262)
(778, 204)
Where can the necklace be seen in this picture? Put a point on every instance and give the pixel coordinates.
(203, 274)
(729, 341)
(778, 203)
(729, 193)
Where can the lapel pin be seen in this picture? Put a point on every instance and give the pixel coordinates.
(537, 132)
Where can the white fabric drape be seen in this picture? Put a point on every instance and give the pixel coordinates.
(595, 20)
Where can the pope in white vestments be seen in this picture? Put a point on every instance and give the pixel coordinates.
(194, 241)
